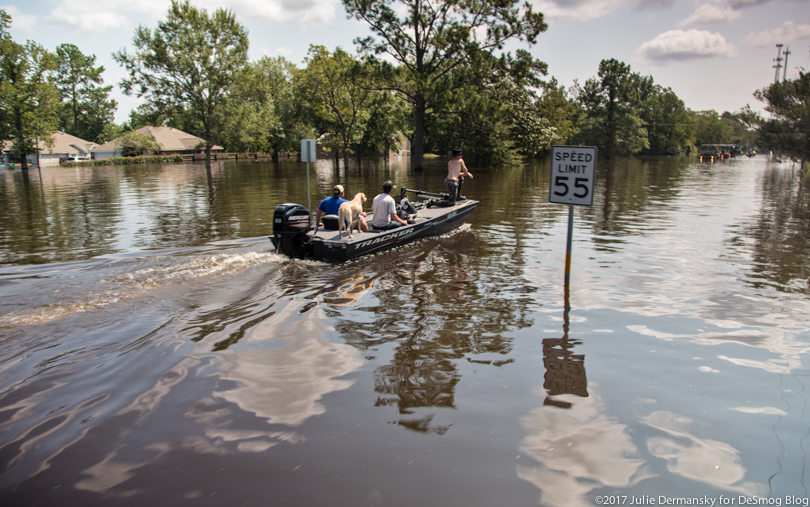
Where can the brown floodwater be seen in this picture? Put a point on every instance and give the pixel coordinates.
(157, 351)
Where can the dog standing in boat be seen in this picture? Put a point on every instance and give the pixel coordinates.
(349, 214)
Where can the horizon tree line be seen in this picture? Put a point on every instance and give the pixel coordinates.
(452, 84)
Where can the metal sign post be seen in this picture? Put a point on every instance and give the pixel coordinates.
(573, 171)
(308, 155)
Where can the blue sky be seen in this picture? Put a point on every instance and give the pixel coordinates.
(713, 53)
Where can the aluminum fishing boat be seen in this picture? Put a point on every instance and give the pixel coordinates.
(295, 236)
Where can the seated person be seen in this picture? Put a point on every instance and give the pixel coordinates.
(330, 206)
(384, 209)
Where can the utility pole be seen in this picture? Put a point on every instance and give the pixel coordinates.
(778, 61)
(784, 73)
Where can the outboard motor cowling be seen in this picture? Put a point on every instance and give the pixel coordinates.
(291, 223)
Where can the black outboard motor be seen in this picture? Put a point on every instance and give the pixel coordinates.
(291, 222)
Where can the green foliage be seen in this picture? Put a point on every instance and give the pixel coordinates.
(28, 100)
(188, 64)
(5, 23)
(497, 119)
(86, 106)
(133, 144)
(613, 103)
(333, 85)
(541, 120)
(388, 122)
(434, 43)
(144, 159)
(710, 128)
(744, 132)
(277, 77)
(264, 110)
(787, 131)
(669, 130)
(109, 132)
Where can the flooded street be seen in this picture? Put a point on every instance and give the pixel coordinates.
(156, 350)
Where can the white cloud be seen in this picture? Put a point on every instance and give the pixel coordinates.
(20, 21)
(102, 15)
(684, 45)
(576, 9)
(88, 21)
(592, 9)
(720, 11)
(786, 33)
(711, 14)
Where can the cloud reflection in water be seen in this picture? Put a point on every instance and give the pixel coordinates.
(698, 459)
(579, 449)
(283, 385)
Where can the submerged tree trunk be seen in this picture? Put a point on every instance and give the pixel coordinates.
(418, 148)
(18, 124)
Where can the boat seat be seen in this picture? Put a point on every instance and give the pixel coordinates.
(330, 222)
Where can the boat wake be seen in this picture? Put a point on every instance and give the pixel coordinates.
(98, 283)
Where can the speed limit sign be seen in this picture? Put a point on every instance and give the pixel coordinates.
(573, 170)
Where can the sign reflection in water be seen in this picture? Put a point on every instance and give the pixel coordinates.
(174, 357)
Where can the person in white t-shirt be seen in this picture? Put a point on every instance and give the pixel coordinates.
(384, 209)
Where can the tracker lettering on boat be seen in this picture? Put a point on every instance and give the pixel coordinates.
(387, 237)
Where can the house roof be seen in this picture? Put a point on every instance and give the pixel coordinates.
(169, 138)
(62, 143)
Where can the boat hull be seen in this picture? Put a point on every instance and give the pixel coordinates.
(331, 246)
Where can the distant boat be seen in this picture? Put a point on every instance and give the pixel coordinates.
(712, 152)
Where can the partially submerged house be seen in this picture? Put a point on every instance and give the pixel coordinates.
(62, 147)
(172, 141)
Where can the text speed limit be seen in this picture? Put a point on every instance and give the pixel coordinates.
(573, 170)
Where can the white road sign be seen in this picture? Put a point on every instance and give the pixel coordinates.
(573, 171)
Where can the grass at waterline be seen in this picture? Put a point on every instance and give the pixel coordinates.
(151, 159)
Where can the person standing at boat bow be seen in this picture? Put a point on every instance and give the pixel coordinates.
(456, 170)
(384, 210)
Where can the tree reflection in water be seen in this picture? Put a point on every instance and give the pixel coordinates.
(427, 306)
(780, 235)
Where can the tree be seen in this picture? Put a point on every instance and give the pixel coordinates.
(279, 75)
(787, 132)
(710, 128)
(667, 121)
(339, 96)
(28, 100)
(266, 112)
(613, 103)
(542, 120)
(87, 107)
(134, 144)
(745, 133)
(387, 123)
(432, 40)
(109, 132)
(188, 63)
(5, 23)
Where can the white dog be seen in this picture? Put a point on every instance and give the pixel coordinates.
(349, 213)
